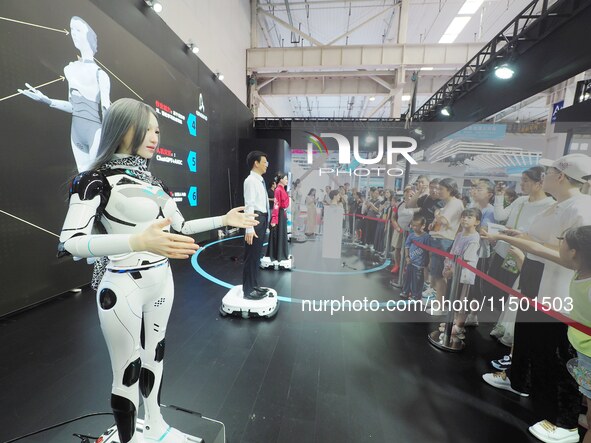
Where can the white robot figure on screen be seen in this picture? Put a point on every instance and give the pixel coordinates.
(120, 213)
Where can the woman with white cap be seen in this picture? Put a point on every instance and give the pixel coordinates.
(541, 348)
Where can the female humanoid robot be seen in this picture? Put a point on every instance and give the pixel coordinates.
(88, 95)
(132, 209)
(277, 249)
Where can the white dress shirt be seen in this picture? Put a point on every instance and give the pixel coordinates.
(255, 196)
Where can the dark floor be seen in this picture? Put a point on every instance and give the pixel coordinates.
(290, 379)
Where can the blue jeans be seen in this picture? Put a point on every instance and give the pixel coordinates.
(413, 281)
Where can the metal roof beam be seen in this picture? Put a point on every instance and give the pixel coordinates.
(279, 5)
(360, 25)
(381, 81)
(384, 57)
(318, 74)
(381, 104)
(323, 87)
(290, 27)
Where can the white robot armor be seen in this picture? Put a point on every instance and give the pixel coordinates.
(135, 294)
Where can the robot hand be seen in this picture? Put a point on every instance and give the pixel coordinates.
(160, 242)
(35, 94)
(239, 219)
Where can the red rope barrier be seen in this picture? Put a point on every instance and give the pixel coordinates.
(368, 218)
(434, 250)
(538, 306)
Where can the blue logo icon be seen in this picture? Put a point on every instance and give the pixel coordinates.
(193, 196)
(192, 124)
(192, 161)
(555, 108)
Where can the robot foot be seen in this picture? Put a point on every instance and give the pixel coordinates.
(265, 263)
(286, 264)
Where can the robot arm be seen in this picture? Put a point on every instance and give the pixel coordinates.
(104, 84)
(61, 105)
(76, 238)
(195, 226)
(89, 191)
(38, 96)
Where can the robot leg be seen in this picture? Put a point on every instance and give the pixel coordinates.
(119, 309)
(156, 314)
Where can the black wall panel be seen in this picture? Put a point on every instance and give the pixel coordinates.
(142, 58)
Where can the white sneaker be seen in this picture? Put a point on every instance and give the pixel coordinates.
(429, 294)
(549, 433)
(501, 381)
(502, 364)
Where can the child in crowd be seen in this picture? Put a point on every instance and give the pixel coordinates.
(483, 194)
(416, 259)
(466, 246)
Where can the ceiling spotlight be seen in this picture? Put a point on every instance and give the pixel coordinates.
(194, 49)
(504, 71)
(446, 111)
(219, 76)
(372, 98)
(370, 139)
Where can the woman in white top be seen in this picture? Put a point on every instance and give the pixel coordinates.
(443, 231)
(541, 347)
(518, 215)
(523, 210)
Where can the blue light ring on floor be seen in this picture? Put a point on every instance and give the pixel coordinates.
(211, 278)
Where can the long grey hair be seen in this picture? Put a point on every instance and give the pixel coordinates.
(123, 115)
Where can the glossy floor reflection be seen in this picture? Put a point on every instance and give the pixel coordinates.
(290, 379)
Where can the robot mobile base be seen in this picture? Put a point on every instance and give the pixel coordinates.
(234, 303)
(286, 265)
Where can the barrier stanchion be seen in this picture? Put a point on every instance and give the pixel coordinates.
(388, 236)
(354, 228)
(400, 283)
(445, 340)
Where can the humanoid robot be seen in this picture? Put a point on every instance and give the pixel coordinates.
(277, 255)
(88, 95)
(249, 299)
(132, 210)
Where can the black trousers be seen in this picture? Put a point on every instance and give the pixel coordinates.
(252, 255)
(278, 248)
(540, 352)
